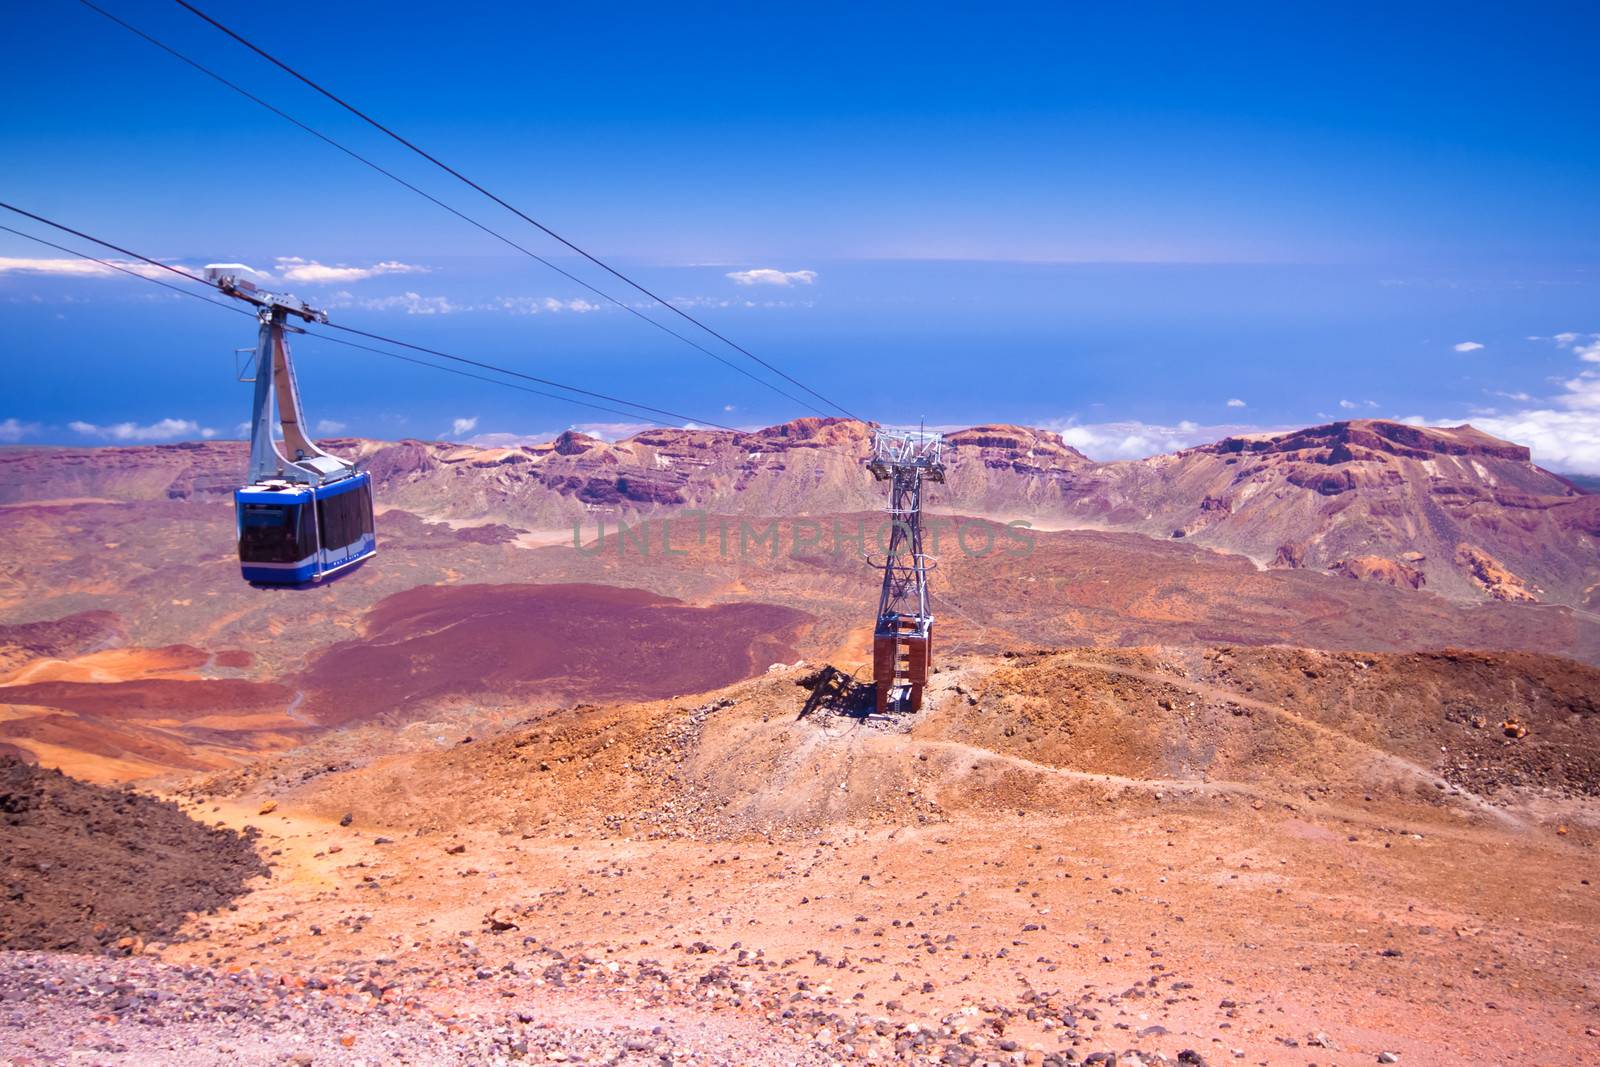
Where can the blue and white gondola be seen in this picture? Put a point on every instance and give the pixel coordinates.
(304, 514)
(294, 534)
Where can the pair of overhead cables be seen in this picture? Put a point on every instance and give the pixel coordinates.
(630, 308)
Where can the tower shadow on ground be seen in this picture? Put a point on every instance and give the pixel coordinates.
(835, 693)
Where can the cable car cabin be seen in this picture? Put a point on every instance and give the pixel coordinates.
(293, 534)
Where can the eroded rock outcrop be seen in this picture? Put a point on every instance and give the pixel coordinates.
(1492, 576)
(1380, 570)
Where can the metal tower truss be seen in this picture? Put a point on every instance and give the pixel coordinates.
(902, 640)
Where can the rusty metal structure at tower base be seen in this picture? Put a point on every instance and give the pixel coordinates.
(902, 640)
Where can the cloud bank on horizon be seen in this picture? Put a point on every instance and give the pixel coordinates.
(296, 269)
(1562, 431)
(770, 276)
(160, 430)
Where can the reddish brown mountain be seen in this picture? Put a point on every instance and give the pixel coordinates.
(1450, 510)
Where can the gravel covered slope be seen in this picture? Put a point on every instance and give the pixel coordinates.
(84, 868)
(73, 1009)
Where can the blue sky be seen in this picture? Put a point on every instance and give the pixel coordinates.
(1110, 223)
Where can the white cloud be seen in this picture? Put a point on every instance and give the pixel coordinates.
(1136, 440)
(769, 276)
(1468, 346)
(688, 302)
(33, 265)
(539, 305)
(81, 268)
(413, 304)
(1236, 403)
(296, 269)
(161, 430)
(1561, 440)
(463, 426)
(579, 305)
(1348, 404)
(1585, 348)
(416, 304)
(14, 430)
(329, 426)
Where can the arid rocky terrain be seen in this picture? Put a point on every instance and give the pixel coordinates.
(1283, 749)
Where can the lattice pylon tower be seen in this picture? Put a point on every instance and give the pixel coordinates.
(902, 640)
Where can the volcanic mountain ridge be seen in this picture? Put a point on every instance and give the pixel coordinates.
(1453, 510)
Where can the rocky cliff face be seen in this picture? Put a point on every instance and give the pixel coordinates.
(814, 466)
(811, 465)
(1452, 510)
(1009, 470)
